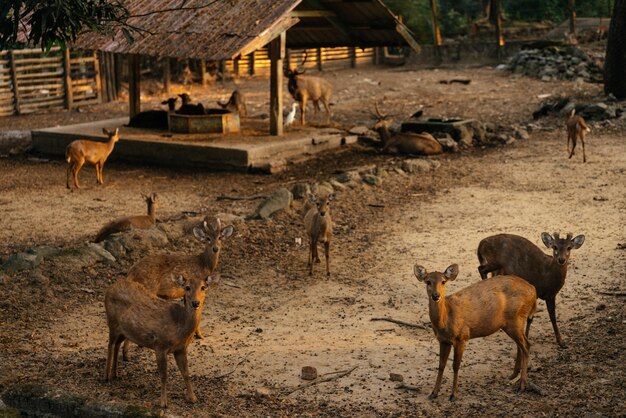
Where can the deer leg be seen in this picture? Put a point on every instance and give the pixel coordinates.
(582, 142)
(327, 255)
(528, 322)
(573, 146)
(485, 269)
(125, 347)
(444, 353)
(161, 358)
(316, 254)
(197, 333)
(327, 107)
(181, 361)
(77, 166)
(521, 359)
(302, 109)
(109, 369)
(551, 305)
(312, 249)
(68, 172)
(456, 365)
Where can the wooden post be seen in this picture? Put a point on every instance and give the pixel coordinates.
(96, 65)
(436, 29)
(277, 54)
(572, 17)
(203, 78)
(167, 75)
(375, 55)
(118, 73)
(134, 76)
(236, 65)
(16, 90)
(67, 76)
(251, 57)
(496, 16)
(352, 53)
(319, 59)
(221, 71)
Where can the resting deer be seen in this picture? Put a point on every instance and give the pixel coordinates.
(303, 89)
(319, 228)
(576, 128)
(154, 119)
(187, 108)
(512, 254)
(136, 315)
(96, 153)
(236, 102)
(479, 310)
(155, 272)
(404, 143)
(129, 222)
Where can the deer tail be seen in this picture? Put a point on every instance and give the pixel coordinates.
(573, 112)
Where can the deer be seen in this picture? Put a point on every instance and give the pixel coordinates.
(404, 143)
(306, 88)
(512, 254)
(481, 309)
(154, 119)
(93, 152)
(319, 228)
(129, 222)
(236, 102)
(155, 272)
(133, 314)
(576, 128)
(187, 108)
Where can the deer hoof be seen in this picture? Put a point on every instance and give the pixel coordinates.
(198, 336)
(432, 396)
(192, 398)
(452, 398)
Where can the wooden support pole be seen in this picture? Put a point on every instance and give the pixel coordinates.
(251, 58)
(572, 16)
(375, 55)
(436, 28)
(319, 59)
(112, 59)
(203, 78)
(134, 88)
(67, 79)
(352, 53)
(277, 54)
(96, 65)
(221, 72)
(236, 65)
(167, 75)
(496, 16)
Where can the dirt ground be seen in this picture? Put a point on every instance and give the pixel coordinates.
(270, 318)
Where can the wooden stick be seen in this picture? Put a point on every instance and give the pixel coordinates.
(376, 205)
(256, 196)
(337, 375)
(610, 293)
(221, 376)
(408, 387)
(399, 322)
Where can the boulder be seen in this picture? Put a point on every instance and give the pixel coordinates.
(371, 179)
(300, 190)
(281, 199)
(21, 261)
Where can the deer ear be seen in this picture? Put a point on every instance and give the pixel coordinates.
(106, 131)
(451, 272)
(578, 241)
(199, 233)
(547, 239)
(144, 197)
(154, 197)
(117, 131)
(179, 280)
(420, 272)
(213, 279)
(227, 231)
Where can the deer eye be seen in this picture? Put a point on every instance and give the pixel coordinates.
(443, 282)
(554, 247)
(428, 283)
(203, 288)
(188, 288)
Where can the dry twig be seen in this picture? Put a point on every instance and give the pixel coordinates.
(221, 376)
(321, 379)
(254, 197)
(611, 293)
(408, 387)
(399, 322)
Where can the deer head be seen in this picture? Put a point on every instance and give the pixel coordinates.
(561, 247)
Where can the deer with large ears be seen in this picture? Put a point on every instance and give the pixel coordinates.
(96, 153)
(129, 222)
(512, 254)
(481, 309)
(319, 228)
(305, 88)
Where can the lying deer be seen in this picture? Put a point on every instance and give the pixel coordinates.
(187, 108)
(576, 128)
(479, 310)
(404, 143)
(129, 222)
(236, 102)
(133, 314)
(155, 272)
(93, 152)
(303, 89)
(512, 254)
(319, 228)
(154, 119)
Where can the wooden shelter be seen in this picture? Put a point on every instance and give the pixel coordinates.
(216, 30)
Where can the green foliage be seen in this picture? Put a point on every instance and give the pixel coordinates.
(453, 23)
(416, 15)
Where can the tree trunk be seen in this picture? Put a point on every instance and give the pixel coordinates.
(615, 62)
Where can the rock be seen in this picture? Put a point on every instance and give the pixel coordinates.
(279, 200)
(230, 219)
(135, 240)
(85, 256)
(322, 189)
(308, 373)
(21, 261)
(448, 143)
(336, 185)
(372, 179)
(521, 133)
(262, 392)
(38, 279)
(359, 130)
(502, 67)
(600, 307)
(416, 165)
(4, 279)
(395, 377)
(15, 142)
(348, 176)
(300, 190)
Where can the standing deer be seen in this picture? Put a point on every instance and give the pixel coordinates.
(303, 89)
(236, 102)
(93, 152)
(319, 228)
(404, 143)
(479, 310)
(512, 254)
(576, 128)
(129, 222)
(133, 314)
(155, 272)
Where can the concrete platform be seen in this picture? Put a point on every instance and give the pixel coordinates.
(248, 150)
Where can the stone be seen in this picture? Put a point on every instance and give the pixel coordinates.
(262, 392)
(395, 377)
(371, 179)
(15, 142)
(300, 190)
(308, 373)
(336, 185)
(347, 176)
(38, 279)
(85, 256)
(230, 219)
(323, 189)
(416, 165)
(359, 130)
(521, 133)
(281, 199)
(135, 240)
(21, 261)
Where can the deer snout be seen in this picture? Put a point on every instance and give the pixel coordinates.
(561, 260)
(216, 250)
(322, 212)
(435, 297)
(195, 304)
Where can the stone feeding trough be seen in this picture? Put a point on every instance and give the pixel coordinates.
(461, 130)
(217, 121)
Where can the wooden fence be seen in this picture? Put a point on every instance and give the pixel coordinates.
(31, 80)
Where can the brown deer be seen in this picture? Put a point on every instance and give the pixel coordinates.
(576, 128)
(133, 314)
(187, 108)
(303, 89)
(93, 152)
(155, 272)
(512, 254)
(319, 228)
(129, 222)
(236, 102)
(404, 143)
(479, 310)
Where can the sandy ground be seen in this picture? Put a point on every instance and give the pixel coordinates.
(278, 319)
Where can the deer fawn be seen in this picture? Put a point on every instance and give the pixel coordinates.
(512, 254)
(576, 128)
(404, 143)
(133, 314)
(129, 222)
(479, 310)
(236, 102)
(303, 89)
(155, 272)
(319, 228)
(96, 153)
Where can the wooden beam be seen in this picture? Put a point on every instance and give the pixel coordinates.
(203, 78)
(96, 65)
(277, 55)
(319, 59)
(337, 23)
(436, 29)
(312, 13)
(572, 16)
(167, 75)
(67, 69)
(134, 77)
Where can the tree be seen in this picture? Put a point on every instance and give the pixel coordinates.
(615, 60)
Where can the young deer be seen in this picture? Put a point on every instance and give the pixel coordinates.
(576, 128)
(404, 143)
(478, 310)
(129, 222)
(237, 103)
(512, 254)
(93, 152)
(303, 89)
(155, 272)
(149, 321)
(319, 228)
